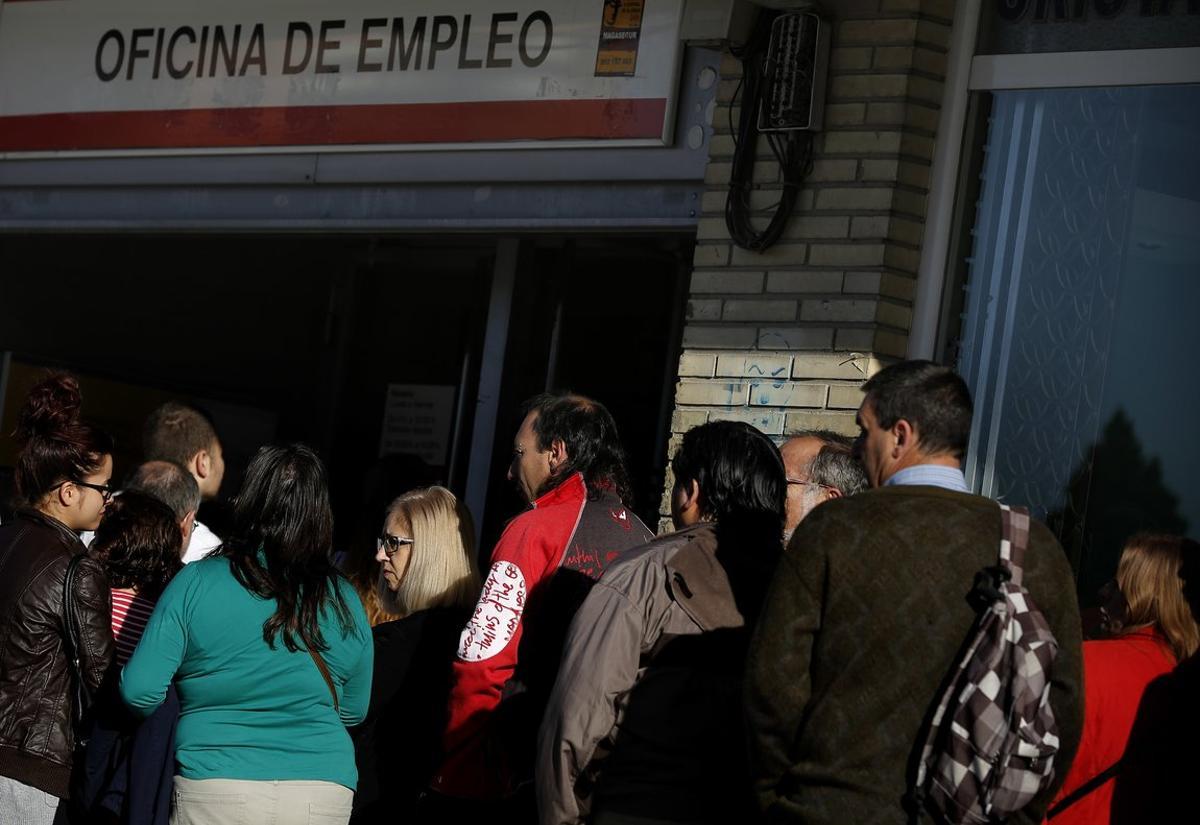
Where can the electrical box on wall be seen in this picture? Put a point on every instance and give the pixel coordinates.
(796, 65)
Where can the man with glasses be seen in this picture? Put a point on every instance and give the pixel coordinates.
(820, 466)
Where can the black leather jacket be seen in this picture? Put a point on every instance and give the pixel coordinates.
(36, 688)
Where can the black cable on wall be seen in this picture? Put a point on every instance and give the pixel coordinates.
(793, 149)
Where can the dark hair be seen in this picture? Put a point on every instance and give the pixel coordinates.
(176, 432)
(55, 444)
(139, 543)
(590, 434)
(281, 541)
(169, 483)
(738, 469)
(743, 488)
(930, 397)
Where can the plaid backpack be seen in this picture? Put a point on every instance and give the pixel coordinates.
(991, 745)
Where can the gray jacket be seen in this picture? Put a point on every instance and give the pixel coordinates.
(671, 589)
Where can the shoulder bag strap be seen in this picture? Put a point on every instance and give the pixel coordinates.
(73, 627)
(1014, 538)
(321, 666)
(1085, 789)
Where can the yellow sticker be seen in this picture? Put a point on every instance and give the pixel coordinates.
(620, 31)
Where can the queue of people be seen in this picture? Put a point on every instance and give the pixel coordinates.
(782, 656)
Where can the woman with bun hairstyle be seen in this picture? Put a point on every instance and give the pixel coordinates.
(62, 476)
(1152, 630)
(270, 651)
(426, 577)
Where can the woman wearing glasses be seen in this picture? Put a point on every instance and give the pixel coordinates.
(270, 653)
(427, 577)
(62, 475)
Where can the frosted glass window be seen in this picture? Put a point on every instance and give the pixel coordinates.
(1082, 322)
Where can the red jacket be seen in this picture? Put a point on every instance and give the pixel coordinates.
(508, 654)
(1115, 674)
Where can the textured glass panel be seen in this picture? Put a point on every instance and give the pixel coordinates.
(1083, 292)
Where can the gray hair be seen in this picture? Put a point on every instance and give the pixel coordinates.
(835, 464)
(170, 484)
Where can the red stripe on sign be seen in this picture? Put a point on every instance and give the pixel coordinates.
(336, 125)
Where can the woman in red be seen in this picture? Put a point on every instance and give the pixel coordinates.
(1155, 633)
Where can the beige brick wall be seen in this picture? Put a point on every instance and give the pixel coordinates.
(783, 339)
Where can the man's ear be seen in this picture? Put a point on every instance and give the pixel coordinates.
(691, 496)
(186, 526)
(558, 453)
(201, 464)
(905, 435)
(832, 493)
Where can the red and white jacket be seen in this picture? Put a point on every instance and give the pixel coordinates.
(508, 654)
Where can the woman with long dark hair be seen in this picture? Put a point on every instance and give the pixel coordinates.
(270, 651)
(55, 641)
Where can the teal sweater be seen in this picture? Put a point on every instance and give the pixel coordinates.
(249, 711)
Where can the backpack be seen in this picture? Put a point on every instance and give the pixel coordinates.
(992, 739)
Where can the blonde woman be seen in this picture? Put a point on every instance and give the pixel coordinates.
(427, 577)
(1152, 632)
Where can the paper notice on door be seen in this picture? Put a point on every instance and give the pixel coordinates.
(416, 421)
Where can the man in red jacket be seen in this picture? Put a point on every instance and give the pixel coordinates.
(568, 462)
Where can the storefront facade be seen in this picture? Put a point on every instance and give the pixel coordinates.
(1007, 186)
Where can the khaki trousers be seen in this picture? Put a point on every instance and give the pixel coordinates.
(246, 802)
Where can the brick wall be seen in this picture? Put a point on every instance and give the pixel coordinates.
(783, 339)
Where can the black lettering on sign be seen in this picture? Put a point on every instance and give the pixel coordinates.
(173, 70)
(365, 41)
(463, 61)
(326, 44)
(158, 53)
(225, 51)
(101, 72)
(134, 51)
(437, 44)
(203, 51)
(523, 42)
(415, 47)
(256, 52)
(495, 38)
(304, 30)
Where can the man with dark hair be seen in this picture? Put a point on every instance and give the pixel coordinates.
(866, 616)
(820, 466)
(645, 719)
(184, 435)
(174, 487)
(568, 463)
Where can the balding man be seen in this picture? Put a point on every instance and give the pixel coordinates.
(174, 487)
(820, 466)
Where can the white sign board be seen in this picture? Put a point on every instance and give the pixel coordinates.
(416, 421)
(96, 76)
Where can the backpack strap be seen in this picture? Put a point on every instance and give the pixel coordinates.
(1014, 538)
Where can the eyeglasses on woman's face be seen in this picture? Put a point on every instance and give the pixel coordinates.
(390, 544)
(105, 490)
